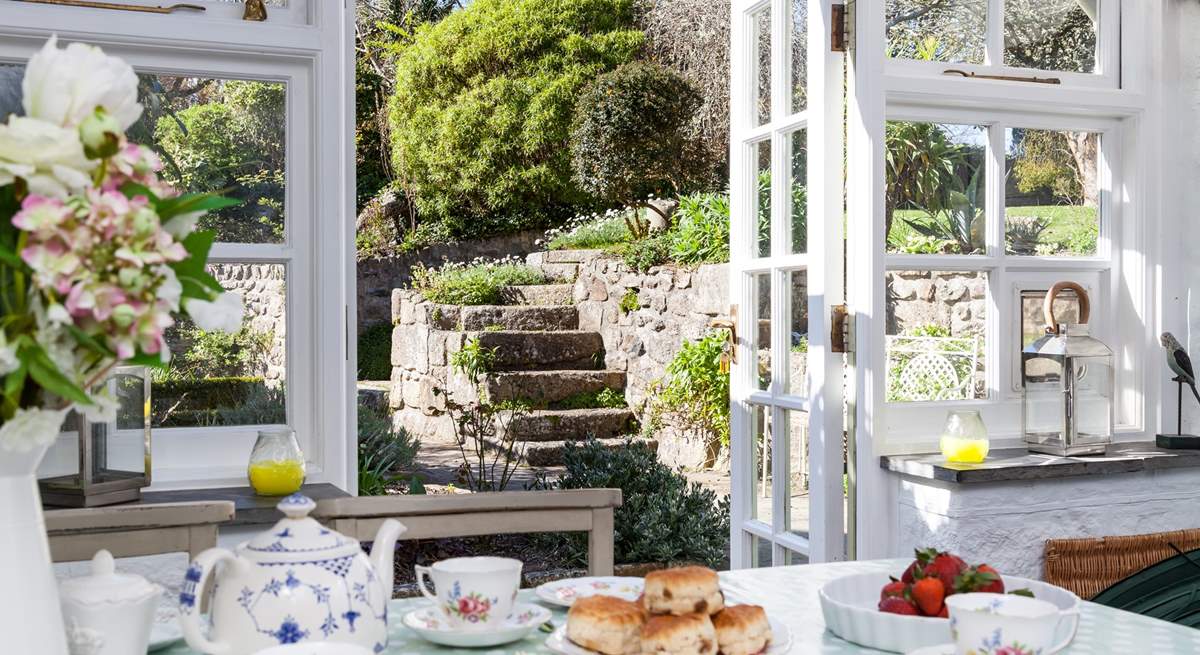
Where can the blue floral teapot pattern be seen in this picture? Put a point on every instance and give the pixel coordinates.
(297, 582)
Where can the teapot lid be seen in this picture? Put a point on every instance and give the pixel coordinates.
(105, 585)
(299, 534)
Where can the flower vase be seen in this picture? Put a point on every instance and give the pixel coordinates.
(30, 614)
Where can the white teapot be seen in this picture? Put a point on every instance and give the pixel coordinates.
(297, 582)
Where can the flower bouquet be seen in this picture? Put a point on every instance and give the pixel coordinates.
(97, 256)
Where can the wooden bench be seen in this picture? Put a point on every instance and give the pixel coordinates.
(469, 515)
(135, 530)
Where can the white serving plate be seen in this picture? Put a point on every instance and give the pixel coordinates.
(850, 605)
(564, 593)
(781, 641)
(429, 624)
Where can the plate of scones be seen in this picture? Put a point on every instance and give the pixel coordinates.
(682, 611)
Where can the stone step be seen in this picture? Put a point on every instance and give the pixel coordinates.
(541, 351)
(550, 453)
(565, 272)
(542, 388)
(581, 256)
(539, 294)
(474, 318)
(571, 424)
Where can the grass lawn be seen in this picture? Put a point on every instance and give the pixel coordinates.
(1067, 222)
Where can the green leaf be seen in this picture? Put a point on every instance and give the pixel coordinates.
(193, 202)
(45, 372)
(133, 190)
(196, 281)
(144, 359)
(9, 257)
(89, 342)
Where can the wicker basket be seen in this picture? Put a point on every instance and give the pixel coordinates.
(1089, 566)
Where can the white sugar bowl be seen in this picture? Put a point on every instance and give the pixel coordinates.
(108, 613)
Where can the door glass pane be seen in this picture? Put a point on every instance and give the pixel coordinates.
(937, 30)
(936, 196)
(799, 55)
(762, 198)
(1052, 192)
(1057, 35)
(760, 49)
(760, 552)
(798, 228)
(227, 136)
(761, 339)
(935, 331)
(798, 352)
(797, 507)
(792, 558)
(760, 448)
(221, 379)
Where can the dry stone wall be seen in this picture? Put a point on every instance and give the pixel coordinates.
(264, 292)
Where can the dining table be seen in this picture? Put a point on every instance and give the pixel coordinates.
(789, 594)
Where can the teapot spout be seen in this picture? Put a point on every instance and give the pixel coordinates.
(383, 552)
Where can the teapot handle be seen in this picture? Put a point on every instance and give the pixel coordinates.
(1071, 615)
(190, 600)
(423, 574)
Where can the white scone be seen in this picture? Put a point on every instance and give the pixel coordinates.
(607, 625)
(690, 634)
(742, 630)
(687, 590)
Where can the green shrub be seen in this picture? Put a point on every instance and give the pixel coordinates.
(695, 390)
(590, 231)
(477, 283)
(215, 354)
(630, 139)
(641, 255)
(701, 232)
(610, 398)
(187, 402)
(630, 301)
(483, 105)
(375, 352)
(382, 452)
(662, 517)
(473, 360)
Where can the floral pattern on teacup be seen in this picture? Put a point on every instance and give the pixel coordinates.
(472, 607)
(994, 645)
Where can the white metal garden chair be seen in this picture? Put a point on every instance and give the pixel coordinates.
(928, 368)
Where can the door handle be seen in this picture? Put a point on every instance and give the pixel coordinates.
(728, 323)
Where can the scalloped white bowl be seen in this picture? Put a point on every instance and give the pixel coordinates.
(850, 605)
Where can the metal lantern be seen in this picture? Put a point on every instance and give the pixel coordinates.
(97, 464)
(1067, 384)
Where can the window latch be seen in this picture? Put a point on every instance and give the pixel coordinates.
(1006, 78)
(839, 29)
(839, 329)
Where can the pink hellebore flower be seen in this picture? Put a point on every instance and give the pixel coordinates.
(97, 300)
(52, 262)
(40, 214)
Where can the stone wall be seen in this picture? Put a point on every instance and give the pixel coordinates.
(378, 276)
(264, 291)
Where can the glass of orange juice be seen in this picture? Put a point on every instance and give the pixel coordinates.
(276, 464)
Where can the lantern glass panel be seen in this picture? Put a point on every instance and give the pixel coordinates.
(1068, 393)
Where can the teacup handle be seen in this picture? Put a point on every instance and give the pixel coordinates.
(423, 573)
(190, 599)
(1073, 616)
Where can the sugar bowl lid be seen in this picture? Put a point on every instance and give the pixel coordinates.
(298, 535)
(106, 586)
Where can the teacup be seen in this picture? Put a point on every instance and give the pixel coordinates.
(993, 623)
(475, 594)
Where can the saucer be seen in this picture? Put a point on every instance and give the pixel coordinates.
(431, 625)
(940, 649)
(566, 592)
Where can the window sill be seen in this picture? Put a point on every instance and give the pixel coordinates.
(249, 508)
(1017, 464)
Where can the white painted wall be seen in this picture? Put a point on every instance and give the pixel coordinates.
(1182, 129)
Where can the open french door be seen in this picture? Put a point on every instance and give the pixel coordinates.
(787, 274)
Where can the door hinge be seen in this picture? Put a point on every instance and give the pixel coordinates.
(839, 28)
(839, 336)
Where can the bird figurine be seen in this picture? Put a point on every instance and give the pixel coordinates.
(1180, 363)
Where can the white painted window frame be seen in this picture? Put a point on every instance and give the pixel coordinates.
(824, 266)
(1128, 272)
(308, 46)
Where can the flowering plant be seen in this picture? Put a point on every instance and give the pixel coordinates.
(97, 253)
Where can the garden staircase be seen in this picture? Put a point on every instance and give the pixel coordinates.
(543, 358)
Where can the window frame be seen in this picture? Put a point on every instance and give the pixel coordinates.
(876, 90)
(307, 46)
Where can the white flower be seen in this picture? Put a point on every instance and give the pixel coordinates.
(56, 313)
(170, 289)
(8, 356)
(30, 428)
(102, 410)
(223, 314)
(49, 158)
(182, 225)
(65, 86)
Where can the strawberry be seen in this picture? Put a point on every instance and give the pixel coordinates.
(898, 606)
(928, 593)
(945, 613)
(945, 567)
(894, 589)
(923, 557)
(982, 578)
